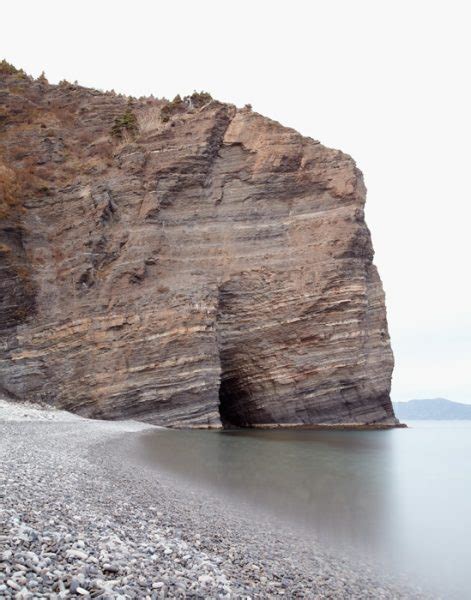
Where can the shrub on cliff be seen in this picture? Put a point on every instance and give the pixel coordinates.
(199, 99)
(173, 107)
(42, 78)
(127, 122)
(8, 69)
(179, 105)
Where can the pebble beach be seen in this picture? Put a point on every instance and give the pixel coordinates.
(80, 518)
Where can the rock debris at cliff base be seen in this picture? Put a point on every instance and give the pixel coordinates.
(184, 263)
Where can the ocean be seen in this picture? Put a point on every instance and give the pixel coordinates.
(400, 498)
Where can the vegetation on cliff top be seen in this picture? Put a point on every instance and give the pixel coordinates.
(179, 104)
(8, 69)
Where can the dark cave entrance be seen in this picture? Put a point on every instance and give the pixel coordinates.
(235, 398)
(231, 404)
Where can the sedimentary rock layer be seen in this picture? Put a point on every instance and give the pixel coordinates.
(185, 263)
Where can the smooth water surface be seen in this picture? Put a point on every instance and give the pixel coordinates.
(402, 497)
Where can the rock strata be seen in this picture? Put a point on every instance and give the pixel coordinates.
(185, 263)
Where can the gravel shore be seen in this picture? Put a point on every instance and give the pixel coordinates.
(80, 519)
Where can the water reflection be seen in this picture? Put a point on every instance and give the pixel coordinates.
(401, 496)
(313, 479)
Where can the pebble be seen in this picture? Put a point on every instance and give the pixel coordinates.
(77, 554)
(13, 584)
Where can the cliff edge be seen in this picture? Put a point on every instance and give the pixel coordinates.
(186, 263)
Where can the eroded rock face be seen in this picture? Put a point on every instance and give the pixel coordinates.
(214, 267)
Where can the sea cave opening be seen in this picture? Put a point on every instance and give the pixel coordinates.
(232, 408)
(234, 395)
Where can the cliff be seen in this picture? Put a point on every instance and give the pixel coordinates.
(186, 263)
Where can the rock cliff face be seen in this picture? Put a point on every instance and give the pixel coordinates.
(184, 263)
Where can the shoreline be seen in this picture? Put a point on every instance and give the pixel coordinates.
(82, 519)
(301, 427)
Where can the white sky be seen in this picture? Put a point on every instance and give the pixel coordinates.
(386, 81)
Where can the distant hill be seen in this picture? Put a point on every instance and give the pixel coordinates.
(433, 409)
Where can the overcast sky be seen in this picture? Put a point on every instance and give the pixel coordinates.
(387, 82)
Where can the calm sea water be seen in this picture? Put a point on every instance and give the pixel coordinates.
(402, 497)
